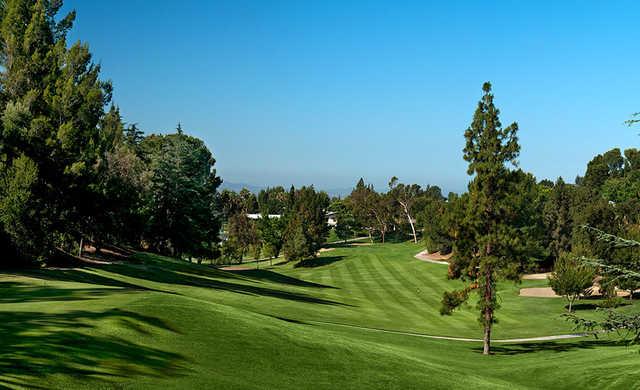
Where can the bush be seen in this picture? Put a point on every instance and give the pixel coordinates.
(571, 278)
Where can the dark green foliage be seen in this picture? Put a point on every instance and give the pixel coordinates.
(242, 233)
(346, 222)
(248, 201)
(625, 324)
(52, 102)
(272, 200)
(133, 137)
(452, 300)
(271, 234)
(180, 202)
(16, 206)
(558, 219)
(441, 221)
(70, 171)
(489, 237)
(296, 245)
(307, 228)
(371, 210)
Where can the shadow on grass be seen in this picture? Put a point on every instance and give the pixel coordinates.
(270, 276)
(526, 348)
(172, 272)
(36, 345)
(289, 320)
(80, 275)
(349, 244)
(204, 270)
(318, 261)
(189, 277)
(18, 292)
(583, 306)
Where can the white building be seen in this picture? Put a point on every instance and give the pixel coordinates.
(259, 216)
(332, 219)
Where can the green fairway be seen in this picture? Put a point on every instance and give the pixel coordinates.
(163, 323)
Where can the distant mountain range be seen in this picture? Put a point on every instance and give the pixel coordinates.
(342, 192)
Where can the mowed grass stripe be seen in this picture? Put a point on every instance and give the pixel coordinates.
(409, 309)
(371, 302)
(413, 288)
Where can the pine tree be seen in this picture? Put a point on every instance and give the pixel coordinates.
(52, 104)
(296, 246)
(482, 252)
(557, 216)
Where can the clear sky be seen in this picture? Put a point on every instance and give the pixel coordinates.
(324, 92)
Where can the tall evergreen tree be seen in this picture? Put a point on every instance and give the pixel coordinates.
(307, 214)
(52, 103)
(558, 220)
(180, 204)
(483, 252)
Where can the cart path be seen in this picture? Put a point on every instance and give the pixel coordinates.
(517, 340)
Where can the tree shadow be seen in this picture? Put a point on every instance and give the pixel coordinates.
(270, 276)
(318, 261)
(162, 274)
(533, 347)
(18, 292)
(208, 271)
(36, 345)
(583, 306)
(80, 275)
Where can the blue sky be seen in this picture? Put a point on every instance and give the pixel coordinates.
(324, 92)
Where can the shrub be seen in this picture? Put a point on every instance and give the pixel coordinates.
(571, 278)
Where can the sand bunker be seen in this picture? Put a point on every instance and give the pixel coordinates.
(236, 268)
(538, 292)
(436, 258)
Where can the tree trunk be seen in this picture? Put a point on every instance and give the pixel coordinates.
(81, 247)
(487, 314)
(413, 229)
(486, 349)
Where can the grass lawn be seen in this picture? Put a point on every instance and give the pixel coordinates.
(162, 323)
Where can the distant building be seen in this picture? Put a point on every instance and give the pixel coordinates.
(259, 216)
(332, 219)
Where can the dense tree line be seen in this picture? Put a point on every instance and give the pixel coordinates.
(71, 171)
(293, 222)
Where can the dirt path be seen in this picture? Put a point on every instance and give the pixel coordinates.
(501, 341)
(236, 268)
(536, 276)
(435, 258)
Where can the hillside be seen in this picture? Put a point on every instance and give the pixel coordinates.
(165, 323)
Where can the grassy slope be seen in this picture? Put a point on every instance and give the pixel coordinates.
(177, 325)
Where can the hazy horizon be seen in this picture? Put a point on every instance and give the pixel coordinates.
(325, 93)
